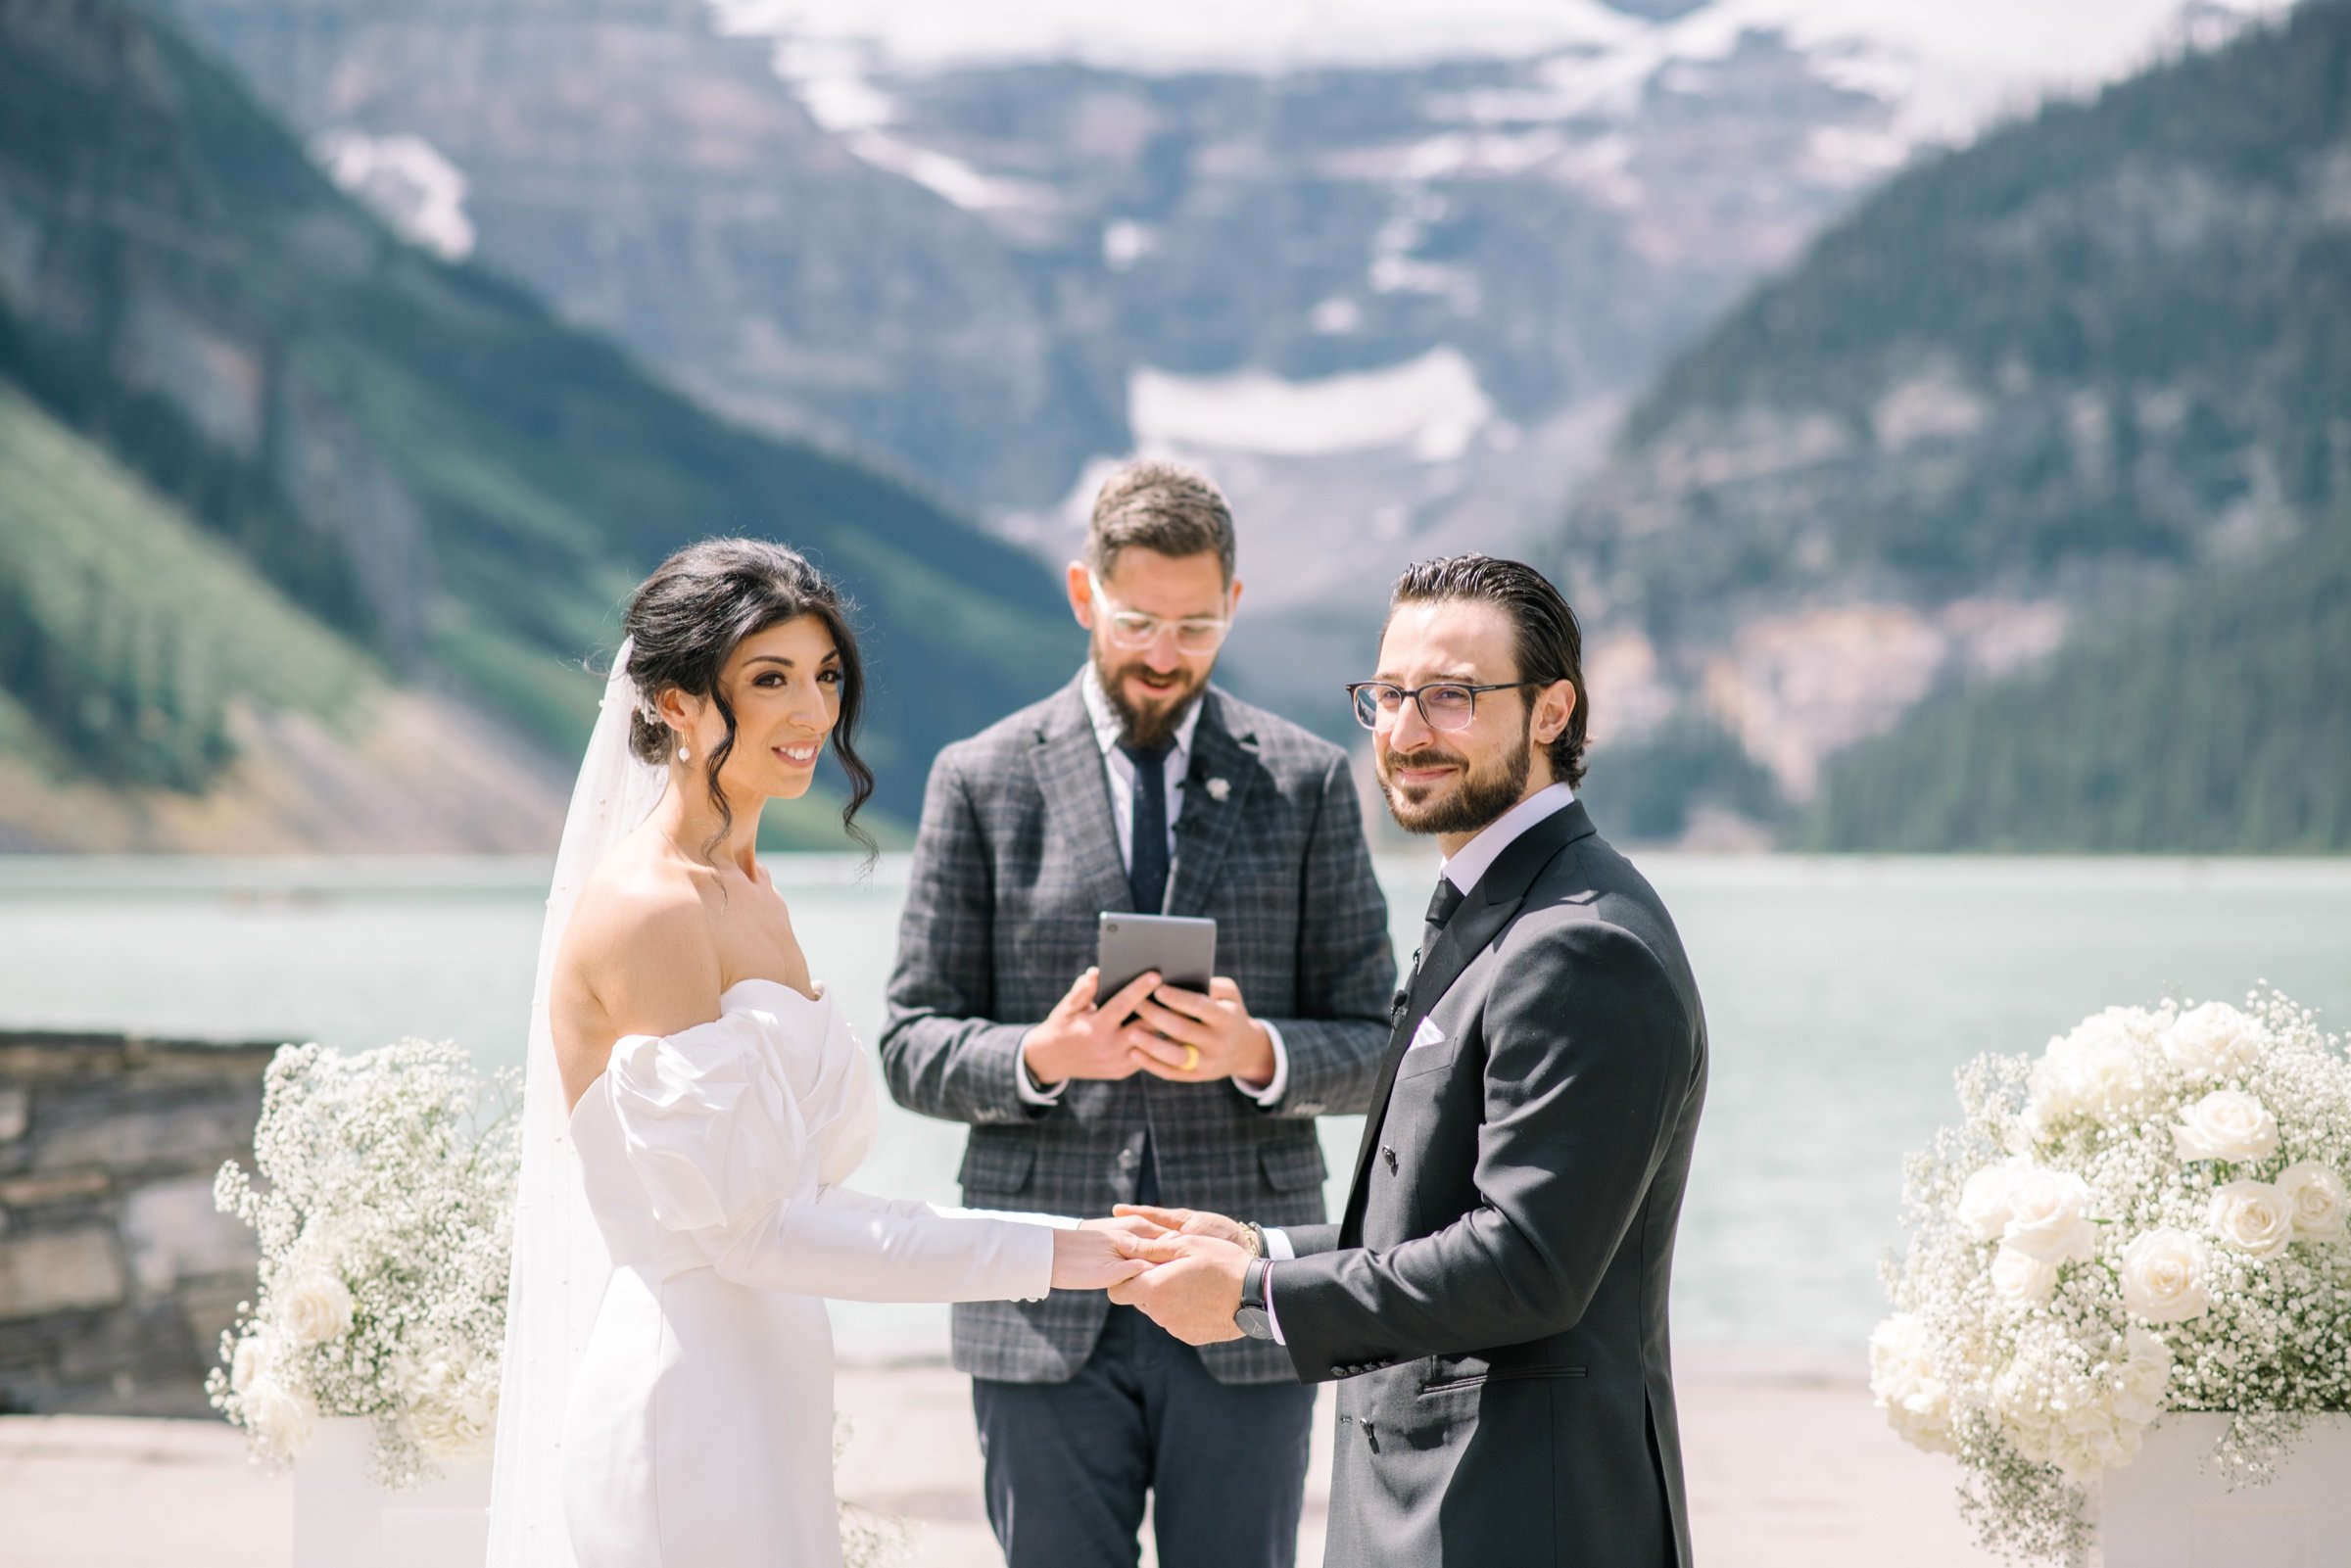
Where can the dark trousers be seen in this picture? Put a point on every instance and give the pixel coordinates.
(1068, 1463)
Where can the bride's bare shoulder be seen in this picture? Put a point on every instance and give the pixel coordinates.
(642, 942)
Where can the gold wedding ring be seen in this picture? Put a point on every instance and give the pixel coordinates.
(1192, 1059)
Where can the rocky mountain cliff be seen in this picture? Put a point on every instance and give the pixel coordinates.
(1393, 306)
(405, 489)
(1393, 293)
(2087, 385)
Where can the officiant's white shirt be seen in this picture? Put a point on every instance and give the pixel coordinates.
(1462, 867)
(1119, 769)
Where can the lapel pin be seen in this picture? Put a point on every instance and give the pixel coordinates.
(1218, 789)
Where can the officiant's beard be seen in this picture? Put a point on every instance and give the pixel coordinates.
(1473, 800)
(1147, 725)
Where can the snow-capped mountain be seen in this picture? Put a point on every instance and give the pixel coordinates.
(1389, 267)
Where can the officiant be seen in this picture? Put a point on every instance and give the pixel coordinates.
(1139, 787)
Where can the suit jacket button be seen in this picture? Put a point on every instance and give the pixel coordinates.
(1129, 1158)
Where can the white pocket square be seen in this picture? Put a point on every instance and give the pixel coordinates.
(1427, 1034)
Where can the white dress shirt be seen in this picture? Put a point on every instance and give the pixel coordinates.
(1462, 867)
(1119, 769)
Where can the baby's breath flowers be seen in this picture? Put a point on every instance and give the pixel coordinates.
(385, 1215)
(2148, 1217)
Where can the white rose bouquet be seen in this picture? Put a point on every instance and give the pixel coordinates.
(385, 1215)
(2149, 1216)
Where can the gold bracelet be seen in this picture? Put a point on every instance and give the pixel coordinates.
(1254, 1238)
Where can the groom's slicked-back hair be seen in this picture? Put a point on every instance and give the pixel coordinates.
(1550, 642)
(1165, 507)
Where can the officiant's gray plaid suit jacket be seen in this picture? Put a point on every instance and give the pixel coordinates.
(1016, 858)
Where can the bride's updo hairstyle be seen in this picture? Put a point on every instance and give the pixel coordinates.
(687, 618)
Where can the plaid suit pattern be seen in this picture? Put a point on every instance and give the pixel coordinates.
(1015, 860)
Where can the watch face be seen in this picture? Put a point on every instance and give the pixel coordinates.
(1252, 1321)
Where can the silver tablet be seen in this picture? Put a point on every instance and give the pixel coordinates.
(1182, 949)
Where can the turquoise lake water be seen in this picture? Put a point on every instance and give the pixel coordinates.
(1839, 992)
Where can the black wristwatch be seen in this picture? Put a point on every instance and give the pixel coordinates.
(1251, 1318)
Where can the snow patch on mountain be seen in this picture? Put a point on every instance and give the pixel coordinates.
(408, 182)
(1431, 405)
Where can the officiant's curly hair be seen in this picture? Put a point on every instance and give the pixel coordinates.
(1550, 643)
(686, 621)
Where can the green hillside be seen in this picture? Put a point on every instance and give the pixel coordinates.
(126, 632)
(2101, 358)
(2218, 721)
(416, 453)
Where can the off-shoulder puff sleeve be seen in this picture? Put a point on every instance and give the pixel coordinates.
(709, 1125)
(732, 1154)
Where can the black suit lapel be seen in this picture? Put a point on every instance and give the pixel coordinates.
(1222, 764)
(1077, 795)
(1490, 906)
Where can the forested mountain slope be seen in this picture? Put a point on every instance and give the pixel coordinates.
(2086, 382)
(415, 454)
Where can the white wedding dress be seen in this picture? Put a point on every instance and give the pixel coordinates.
(665, 1393)
(699, 1432)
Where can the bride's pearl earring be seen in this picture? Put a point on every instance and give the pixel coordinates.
(684, 755)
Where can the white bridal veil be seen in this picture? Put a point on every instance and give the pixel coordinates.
(561, 1266)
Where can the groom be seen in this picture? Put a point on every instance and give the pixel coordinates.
(1139, 787)
(1494, 1296)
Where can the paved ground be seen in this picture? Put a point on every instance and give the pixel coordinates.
(1789, 1466)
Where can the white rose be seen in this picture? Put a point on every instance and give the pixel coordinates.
(1902, 1376)
(281, 1420)
(448, 1432)
(255, 1355)
(313, 1309)
(2165, 1278)
(2099, 1070)
(2315, 1194)
(2019, 1279)
(1984, 1201)
(2226, 1125)
(2146, 1371)
(2253, 1216)
(2048, 1217)
(2212, 1041)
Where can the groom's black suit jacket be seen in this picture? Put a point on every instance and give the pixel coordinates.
(1496, 1295)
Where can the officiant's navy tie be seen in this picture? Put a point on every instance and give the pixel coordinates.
(1147, 846)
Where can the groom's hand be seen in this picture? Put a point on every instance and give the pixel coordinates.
(1191, 1038)
(1192, 1287)
(1079, 1040)
(1180, 1221)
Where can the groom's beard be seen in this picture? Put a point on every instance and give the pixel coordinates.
(1156, 720)
(1470, 801)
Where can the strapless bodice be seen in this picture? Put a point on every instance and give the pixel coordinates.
(687, 1137)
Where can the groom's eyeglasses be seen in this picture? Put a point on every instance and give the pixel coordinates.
(1131, 631)
(1443, 704)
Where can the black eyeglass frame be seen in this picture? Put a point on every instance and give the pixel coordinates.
(1412, 694)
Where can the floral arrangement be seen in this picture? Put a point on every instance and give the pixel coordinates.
(384, 1211)
(2147, 1217)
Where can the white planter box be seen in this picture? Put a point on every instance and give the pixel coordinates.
(2166, 1509)
(344, 1519)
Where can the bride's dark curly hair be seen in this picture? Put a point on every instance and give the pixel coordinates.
(687, 618)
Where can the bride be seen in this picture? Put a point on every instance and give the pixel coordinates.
(694, 1102)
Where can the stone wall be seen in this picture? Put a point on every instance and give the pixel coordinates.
(117, 1273)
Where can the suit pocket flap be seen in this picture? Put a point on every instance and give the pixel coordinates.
(1292, 1167)
(996, 1165)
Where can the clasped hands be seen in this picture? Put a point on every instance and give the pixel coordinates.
(1145, 1027)
(1180, 1266)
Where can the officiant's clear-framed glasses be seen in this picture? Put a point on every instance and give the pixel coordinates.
(1443, 704)
(1132, 631)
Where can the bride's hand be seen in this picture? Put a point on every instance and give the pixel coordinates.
(1093, 1256)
